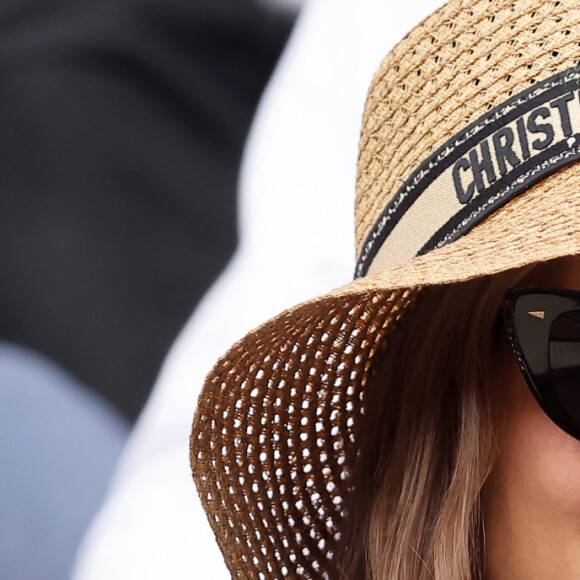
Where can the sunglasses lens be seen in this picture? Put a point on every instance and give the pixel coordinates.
(564, 356)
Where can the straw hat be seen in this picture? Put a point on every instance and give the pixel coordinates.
(467, 167)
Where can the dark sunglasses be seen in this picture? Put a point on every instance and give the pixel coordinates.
(543, 326)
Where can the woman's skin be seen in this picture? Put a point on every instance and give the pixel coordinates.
(532, 498)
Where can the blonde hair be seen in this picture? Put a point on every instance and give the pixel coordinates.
(428, 443)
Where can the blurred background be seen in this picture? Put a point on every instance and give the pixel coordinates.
(122, 124)
(123, 195)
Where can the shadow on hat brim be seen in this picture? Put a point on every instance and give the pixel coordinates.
(274, 433)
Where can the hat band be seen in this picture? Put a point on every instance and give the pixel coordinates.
(498, 157)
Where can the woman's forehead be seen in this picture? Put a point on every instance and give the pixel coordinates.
(561, 273)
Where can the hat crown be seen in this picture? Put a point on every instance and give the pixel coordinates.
(460, 63)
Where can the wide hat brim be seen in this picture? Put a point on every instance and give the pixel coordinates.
(275, 432)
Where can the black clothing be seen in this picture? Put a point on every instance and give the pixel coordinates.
(122, 123)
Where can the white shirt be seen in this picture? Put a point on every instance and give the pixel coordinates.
(296, 199)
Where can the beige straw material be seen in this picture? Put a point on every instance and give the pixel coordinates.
(276, 429)
(464, 60)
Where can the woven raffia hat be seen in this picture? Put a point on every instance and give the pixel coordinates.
(468, 166)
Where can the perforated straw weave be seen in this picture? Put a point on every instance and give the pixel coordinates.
(276, 429)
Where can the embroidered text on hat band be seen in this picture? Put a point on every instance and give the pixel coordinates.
(490, 162)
